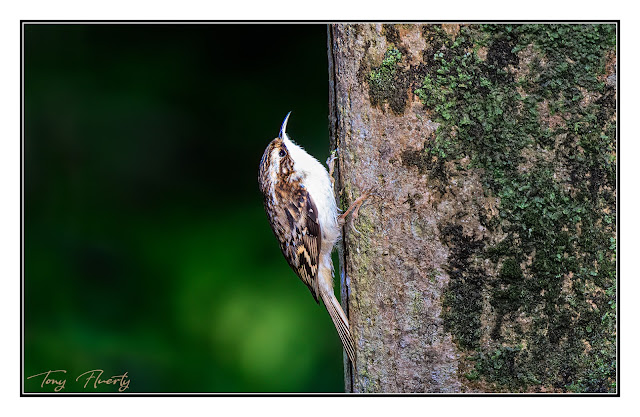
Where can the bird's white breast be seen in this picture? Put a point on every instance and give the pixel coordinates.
(315, 178)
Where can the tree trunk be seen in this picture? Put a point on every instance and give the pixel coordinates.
(487, 263)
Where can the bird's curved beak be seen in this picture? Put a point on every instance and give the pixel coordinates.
(283, 129)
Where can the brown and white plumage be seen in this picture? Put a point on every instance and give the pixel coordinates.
(302, 211)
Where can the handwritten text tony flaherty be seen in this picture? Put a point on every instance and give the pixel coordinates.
(92, 379)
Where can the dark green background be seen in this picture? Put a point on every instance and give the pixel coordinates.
(146, 247)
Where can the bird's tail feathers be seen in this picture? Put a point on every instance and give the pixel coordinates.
(342, 324)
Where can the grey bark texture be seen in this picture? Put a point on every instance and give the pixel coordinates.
(486, 262)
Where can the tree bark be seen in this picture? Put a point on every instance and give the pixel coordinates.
(487, 261)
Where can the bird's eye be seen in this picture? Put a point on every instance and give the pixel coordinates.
(282, 153)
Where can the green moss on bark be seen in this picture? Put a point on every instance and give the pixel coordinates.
(387, 82)
(529, 106)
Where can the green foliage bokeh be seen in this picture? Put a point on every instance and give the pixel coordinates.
(146, 248)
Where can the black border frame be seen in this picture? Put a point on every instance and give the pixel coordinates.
(337, 394)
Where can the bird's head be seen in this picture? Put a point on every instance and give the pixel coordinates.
(277, 163)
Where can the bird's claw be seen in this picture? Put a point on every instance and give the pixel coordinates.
(354, 209)
(331, 166)
(330, 161)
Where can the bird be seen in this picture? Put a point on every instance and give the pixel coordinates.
(301, 207)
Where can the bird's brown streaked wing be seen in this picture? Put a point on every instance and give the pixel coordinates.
(311, 241)
(302, 238)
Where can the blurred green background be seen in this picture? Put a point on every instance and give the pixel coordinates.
(146, 247)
